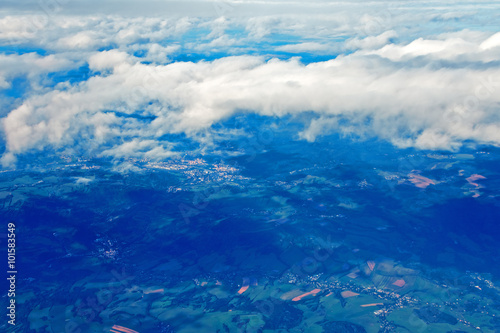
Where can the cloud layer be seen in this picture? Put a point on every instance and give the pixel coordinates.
(384, 79)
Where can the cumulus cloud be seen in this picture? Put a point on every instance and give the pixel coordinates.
(108, 60)
(304, 47)
(224, 25)
(410, 74)
(492, 42)
(371, 42)
(139, 149)
(72, 35)
(366, 94)
(14, 28)
(81, 40)
(158, 53)
(31, 65)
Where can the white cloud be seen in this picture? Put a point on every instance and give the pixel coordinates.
(108, 60)
(150, 149)
(371, 42)
(426, 88)
(31, 65)
(159, 54)
(407, 104)
(81, 40)
(451, 48)
(492, 42)
(304, 47)
(20, 27)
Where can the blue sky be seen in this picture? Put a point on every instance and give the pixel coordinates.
(416, 74)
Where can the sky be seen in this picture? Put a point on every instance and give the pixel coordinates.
(115, 78)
